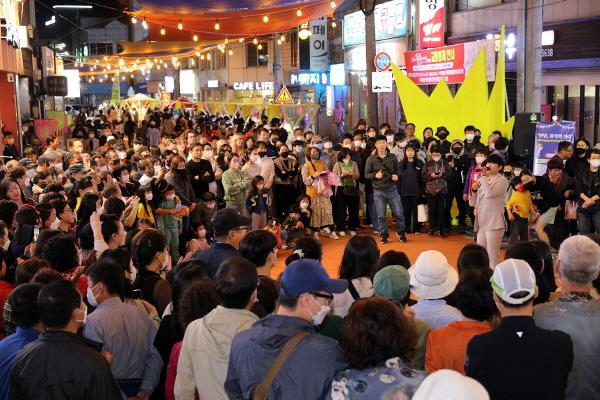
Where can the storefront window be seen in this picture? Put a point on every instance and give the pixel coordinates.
(574, 110)
(257, 55)
(590, 108)
(559, 102)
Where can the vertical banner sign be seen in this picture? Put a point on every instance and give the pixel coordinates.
(319, 51)
(547, 137)
(431, 23)
(116, 90)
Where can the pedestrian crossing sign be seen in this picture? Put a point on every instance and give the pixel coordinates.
(284, 96)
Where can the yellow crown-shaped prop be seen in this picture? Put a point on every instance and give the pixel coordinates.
(472, 104)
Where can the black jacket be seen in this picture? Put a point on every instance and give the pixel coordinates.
(410, 178)
(388, 165)
(201, 174)
(518, 360)
(543, 194)
(62, 365)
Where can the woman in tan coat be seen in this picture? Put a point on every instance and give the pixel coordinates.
(489, 208)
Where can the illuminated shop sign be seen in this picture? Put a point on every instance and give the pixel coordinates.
(253, 86)
(309, 78)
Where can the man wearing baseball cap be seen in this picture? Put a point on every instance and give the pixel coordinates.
(307, 361)
(518, 360)
(229, 227)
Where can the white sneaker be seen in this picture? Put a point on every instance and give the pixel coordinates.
(342, 233)
(333, 236)
(352, 233)
(326, 230)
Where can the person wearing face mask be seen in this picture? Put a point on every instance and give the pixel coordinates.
(144, 207)
(459, 164)
(435, 175)
(235, 184)
(251, 167)
(286, 175)
(442, 133)
(298, 152)
(329, 152)
(204, 212)
(578, 162)
(167, 211)
(306, 294)
(206, 346)
(207, 154)
(84, 370)
(489, 208)
(267, 166)
(471, 141)
(136, 363)
(472, 176)
(121, 175)
(347, 195)
(588, 195)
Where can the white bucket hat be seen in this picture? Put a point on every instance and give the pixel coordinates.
(446, 384)
(432, 277)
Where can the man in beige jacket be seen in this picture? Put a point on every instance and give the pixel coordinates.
(204, 354)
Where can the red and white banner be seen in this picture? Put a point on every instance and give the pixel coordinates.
(431, 23)
(452, 63)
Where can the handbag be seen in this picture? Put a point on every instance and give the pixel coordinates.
(435, 187)
(422, 213)
(261, 391)
(571, 209)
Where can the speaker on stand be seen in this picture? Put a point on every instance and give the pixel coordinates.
(524, 137)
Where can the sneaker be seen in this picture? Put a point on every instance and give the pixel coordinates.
(326, 230)
(352, 233)
(418, 233)
(375, 232)
(334, 236)
(384, 240)
(401, 237)
(342, 233)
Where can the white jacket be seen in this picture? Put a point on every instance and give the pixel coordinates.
(204, 356)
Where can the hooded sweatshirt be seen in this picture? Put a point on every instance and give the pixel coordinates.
(205, 350)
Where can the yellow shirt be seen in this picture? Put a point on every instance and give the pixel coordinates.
(523, 201)
(141, 213)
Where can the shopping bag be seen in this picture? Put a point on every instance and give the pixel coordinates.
(422, 213)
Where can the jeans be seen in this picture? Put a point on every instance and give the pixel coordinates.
(382, 198)
(586, 221)
(435, 206)
(371, 210)
(410, 205)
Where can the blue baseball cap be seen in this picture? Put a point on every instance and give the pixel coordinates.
(305, 276)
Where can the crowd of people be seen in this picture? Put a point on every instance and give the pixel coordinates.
(137, 258)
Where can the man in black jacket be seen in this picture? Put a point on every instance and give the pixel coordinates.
(459, 164)
(61, 364)
(382, 169)
(200, 170)
(518, 360)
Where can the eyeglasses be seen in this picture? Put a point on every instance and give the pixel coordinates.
(327, 296)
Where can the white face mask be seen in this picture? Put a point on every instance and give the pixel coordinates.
(55, 224)
(207, 153)
(132, 273)
(36, 189)
(328, 145)
(517, 172)
(59, 166)
(595, 163)
(103, 168)
(125, 178)
(202, 233)
(479, 159)
(304, 205)
(436, 158)
(254, 158)
(470, 136)
(122, 155)
(90, 296)
(403, 144)
(320, 316)
(299, 149)
(6, 244)
(363, 145)
(357, 143)
(347, 146)
(82, 321)
(149, 196)
(389, 138)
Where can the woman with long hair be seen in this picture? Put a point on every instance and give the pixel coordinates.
(286, 173)
(10, 190)
(88, 204)
(360, 256)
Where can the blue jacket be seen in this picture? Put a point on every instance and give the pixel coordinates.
(9, 347)
(215, 255)
(306, 374)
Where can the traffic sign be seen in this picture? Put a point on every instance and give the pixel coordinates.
(382, 61)
(284, 96)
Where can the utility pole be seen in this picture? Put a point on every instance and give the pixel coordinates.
(370, 48)
(529, 56)
(277, 73)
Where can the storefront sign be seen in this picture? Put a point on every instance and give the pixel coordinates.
(390, 22)
(381, 82)
(309, 78)
(253, 86)
(337, 74)
(452, 63)
(431, 23)
(319, 49)
(57, 86)
(382, 61)
(356, 60)
(547, 137)
(213, 84)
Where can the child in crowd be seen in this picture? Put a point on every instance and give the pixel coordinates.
(292, 226)
(275, 228)
(519, 207)
(204, 211)
(199, 240)
(303, 202)
(167, 220)
(258, 202)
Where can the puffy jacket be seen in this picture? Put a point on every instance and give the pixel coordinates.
(306, 374)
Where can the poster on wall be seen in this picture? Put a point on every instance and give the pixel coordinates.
(431, 23)
(319, 49)
(390, 22)
(452, 63)
(547, 137)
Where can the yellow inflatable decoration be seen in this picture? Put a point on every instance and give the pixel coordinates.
(470, 106)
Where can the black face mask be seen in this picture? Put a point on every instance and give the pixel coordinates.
(579, 151)
(507, 174)
(457, 150)
(442, 136)
(529, 185)
(285, 154)
(261, 154)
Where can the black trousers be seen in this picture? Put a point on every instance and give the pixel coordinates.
(455, 193)
(410, 207)
(518, 230)
(345, 206)
(436, 205)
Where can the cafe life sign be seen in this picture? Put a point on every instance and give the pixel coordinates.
(253, 86)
